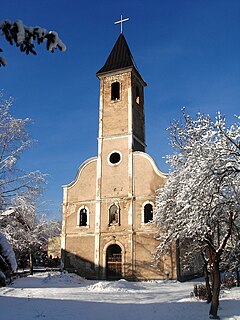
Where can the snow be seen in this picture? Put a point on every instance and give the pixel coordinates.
(6, 213)
(54, 296)
(21, 32)
(57, 42)
(7, 252)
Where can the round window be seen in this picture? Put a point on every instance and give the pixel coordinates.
(115, 157)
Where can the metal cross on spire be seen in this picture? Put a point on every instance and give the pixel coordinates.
(121, 22)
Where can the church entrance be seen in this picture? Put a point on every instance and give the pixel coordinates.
(114, 262)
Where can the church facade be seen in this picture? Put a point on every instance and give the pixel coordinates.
(107, 210)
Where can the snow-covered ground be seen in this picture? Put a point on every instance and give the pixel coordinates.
(55, 296)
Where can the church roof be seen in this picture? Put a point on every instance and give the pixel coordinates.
(119, 58)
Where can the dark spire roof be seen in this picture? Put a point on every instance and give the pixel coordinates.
(119, 58)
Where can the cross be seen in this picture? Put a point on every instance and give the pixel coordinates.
(121, 22)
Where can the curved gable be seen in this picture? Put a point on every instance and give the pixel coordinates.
(83, 187)
(147, 177)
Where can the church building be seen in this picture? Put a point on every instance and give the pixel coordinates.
(107, 210)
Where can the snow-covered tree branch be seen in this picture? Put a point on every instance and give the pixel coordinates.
(200, 202)
(27, 230)
(14, 139)
(24, 37)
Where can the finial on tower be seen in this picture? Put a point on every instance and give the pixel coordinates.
(121, 22)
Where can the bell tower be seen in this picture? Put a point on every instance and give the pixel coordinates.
(122, 98)
(121, 133)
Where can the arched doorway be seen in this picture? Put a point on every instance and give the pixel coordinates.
(114, 262)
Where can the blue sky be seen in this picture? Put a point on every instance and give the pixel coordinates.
(188, 52)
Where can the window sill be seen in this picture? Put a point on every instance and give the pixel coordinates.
(83, 227)
(113, 225)
(147, 224)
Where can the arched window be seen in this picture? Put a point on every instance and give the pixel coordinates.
(113, 215)
(83, 217)
(148, 212)
(115, 91)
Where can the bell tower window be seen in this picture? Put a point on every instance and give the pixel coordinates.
(115, 91)
(137, 98)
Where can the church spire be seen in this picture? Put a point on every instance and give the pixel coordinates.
(119, 58)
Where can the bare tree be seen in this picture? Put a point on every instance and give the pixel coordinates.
(14, 139)
(24, 37)
(19, 218)
(200, 201)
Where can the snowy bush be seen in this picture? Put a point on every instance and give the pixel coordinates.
(7, 253)
(2, 279)
(200, 291)
(8, 262)
(229, 282)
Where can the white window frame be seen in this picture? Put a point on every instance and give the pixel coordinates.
(142, 211)
(120, 91)
(118, 213)
(78, 217)
(114, 164)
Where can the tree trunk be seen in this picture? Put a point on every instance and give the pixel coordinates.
(216, 282)
(31, 262)
(206, 277)
(238, 277)
(207, 283)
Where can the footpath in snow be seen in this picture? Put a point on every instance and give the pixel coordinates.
(55, 296)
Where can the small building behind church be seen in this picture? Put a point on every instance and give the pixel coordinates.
(107, 210)
(54, 247)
